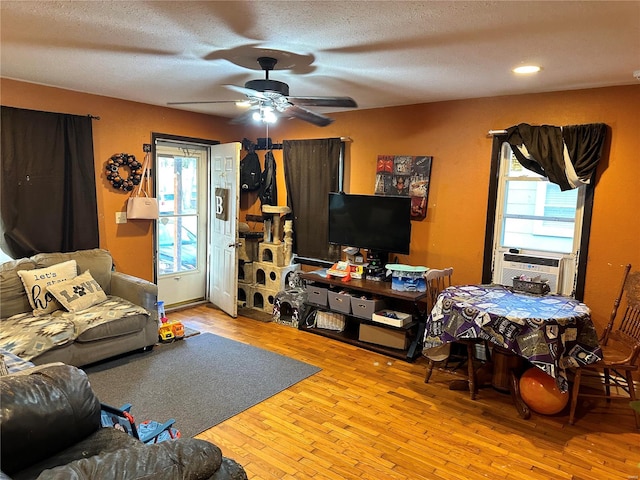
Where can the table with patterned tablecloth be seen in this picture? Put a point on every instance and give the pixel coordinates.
(552, 332)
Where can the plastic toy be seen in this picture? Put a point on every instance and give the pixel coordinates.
(161, 314)
(170, 331)
(148, 431)
(177, 328)
(165, 333)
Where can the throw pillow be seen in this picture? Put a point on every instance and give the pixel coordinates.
(78, 293)
(37, 281)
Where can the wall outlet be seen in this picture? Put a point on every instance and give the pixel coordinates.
(121, 217)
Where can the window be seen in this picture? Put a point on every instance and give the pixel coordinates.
(177, 245)
(532, 216)
(535, 215)
(177, 230)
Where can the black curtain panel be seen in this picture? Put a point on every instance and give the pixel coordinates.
(48, 182)
(541, 149)
(311, 171)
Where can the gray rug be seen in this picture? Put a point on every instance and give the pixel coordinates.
(190, 332)
(200, 381)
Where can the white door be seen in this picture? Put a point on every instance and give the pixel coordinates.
(181, 230)
(223, 227)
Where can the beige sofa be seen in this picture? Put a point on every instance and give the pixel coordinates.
(124, 321)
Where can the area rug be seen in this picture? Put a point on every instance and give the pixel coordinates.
(190, 332)
(199, 382)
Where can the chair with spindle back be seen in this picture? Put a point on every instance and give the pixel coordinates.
(436, 280)
(620, 345)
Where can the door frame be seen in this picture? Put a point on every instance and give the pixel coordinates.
(155, 137)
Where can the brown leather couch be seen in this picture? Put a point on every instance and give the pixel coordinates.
(50, 429)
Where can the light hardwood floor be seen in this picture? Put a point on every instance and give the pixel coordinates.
(367, 416)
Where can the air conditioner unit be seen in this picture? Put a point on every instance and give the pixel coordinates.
(514, 265)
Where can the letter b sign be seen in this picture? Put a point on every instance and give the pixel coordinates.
(221, 203)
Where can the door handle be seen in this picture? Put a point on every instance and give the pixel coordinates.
(235, 245)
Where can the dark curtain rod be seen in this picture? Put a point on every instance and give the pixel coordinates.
(93, 117)
(265, 144)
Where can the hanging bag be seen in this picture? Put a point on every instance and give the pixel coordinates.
(140, 205)
(250, 172)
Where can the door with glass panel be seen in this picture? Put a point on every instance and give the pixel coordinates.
(181, 229)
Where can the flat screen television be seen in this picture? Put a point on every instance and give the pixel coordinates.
(377, 223)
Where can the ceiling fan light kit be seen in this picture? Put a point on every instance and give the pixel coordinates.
(265, 115)
(266, 97)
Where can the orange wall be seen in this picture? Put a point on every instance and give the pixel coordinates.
(454, 133)
(123, 127)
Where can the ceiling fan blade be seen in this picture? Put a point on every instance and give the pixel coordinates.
(206, 101)
(307, 115)
(249, 92)
(324, 101)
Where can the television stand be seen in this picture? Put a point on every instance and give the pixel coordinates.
(410, 302)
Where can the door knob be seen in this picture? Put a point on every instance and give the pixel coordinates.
(235, 245)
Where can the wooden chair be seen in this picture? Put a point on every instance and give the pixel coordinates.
(620, 344)
(438, 280)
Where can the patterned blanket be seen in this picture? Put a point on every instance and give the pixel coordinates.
(28, 336)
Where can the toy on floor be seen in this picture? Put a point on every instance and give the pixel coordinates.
(168, 331)
(148, 431)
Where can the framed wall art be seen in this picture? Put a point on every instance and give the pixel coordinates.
(405, 176)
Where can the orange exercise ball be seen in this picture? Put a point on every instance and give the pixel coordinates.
(540, 392)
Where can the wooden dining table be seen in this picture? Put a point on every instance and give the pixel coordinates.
(552, 332)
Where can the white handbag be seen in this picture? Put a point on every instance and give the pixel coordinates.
(140, 205)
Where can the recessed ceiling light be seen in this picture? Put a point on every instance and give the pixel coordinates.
(243, 103)
(526, 69)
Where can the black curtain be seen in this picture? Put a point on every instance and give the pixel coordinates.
(48, 182)
(541, 149)
(311, 171)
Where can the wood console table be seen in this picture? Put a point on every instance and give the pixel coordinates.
(413, 300)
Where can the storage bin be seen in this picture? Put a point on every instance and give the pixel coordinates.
(384, 336)
(363, 307)
(317, 295)
(407, 278)
(392, 317)
(339, 301)
(330, 321)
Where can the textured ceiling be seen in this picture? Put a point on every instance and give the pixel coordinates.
(380, 53)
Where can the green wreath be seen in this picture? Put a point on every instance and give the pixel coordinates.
(118, 181)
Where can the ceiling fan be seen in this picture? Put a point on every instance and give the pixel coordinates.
(268, 98)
